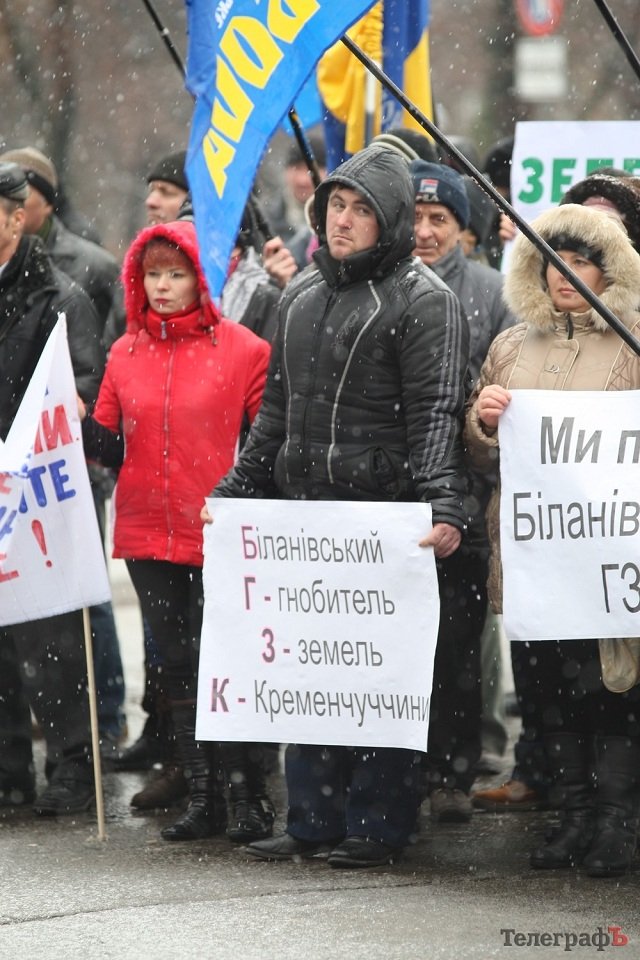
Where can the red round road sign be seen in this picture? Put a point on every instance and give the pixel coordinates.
(539, 17)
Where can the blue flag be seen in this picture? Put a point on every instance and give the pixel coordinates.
(247, 61)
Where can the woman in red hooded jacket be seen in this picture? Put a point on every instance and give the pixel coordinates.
(176, 389)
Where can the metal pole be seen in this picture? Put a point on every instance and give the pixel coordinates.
(371, 92)
(305, 146)
(164, 33)
(499, 200)
(614, 26)
(261, 221)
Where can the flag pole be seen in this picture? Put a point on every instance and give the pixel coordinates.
(617, 32)
(261, 221)
(166, 36)
(93, 712)
(305, 146)
(499, 200)
(371, 90)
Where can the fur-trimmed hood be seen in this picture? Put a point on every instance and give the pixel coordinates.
(182, 233)
(525, 289)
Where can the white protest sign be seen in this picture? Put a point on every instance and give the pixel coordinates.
(569, 514)
(320, 623)
(550, 156)
(51, 556)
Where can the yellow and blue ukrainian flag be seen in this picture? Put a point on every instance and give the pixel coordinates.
(394, 33)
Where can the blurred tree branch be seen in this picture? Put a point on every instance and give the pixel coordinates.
(45, 74)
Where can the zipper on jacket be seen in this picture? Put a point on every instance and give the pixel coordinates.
(569, 327)
(163, 329)
(165, 445)
(336, 400)
(316, 350)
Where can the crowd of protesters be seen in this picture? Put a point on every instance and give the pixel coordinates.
(367, 352)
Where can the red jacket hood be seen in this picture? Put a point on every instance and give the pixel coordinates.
(183, 234)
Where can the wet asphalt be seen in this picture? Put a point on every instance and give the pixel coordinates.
(461, 891)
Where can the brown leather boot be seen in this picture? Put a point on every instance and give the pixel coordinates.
(168, 788)
(512, 795)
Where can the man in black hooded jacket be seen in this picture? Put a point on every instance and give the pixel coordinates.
(42, 662)
(363, 402)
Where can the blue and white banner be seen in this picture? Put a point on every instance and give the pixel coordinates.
(247, 61)
(51, 556)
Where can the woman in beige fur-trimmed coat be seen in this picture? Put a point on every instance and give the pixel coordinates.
(563, 344)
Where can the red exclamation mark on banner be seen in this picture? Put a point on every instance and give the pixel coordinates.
(38, 533)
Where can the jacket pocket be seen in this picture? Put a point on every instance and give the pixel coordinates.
(384, 472)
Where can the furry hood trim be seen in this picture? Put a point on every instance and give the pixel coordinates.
(525, 288)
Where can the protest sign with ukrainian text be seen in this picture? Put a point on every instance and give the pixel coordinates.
(570, 514)
(550, 156)
(320, 623)
(51, 556)
(246, 63)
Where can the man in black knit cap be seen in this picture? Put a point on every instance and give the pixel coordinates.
(168, 188)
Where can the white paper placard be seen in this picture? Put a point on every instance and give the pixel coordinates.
(320, 623)
(569, 514)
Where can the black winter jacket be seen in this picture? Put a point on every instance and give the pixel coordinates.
(32, 294)
(479, 290)
(365, 389)
(92, 268)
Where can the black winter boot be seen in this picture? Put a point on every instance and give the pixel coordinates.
(156, 743)
(71, 786)
(207, 812)
(252, 812)
(17, 777)
(144, 752)
(569, 759)
(618, 783)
